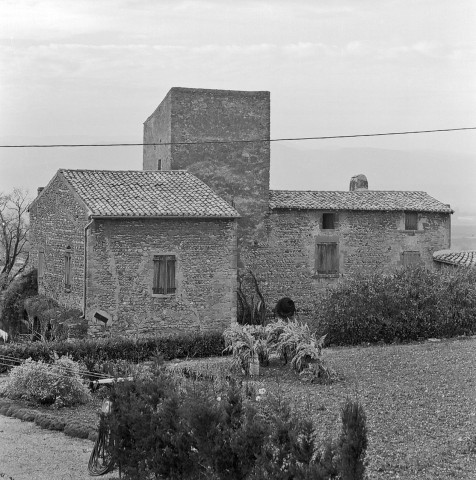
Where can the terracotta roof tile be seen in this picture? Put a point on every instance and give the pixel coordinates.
(147, 193)
(465, 258)
(356, 200)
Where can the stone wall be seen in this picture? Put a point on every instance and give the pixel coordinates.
(367, 241)
(238, 172)
(57, 221)
(120, 275)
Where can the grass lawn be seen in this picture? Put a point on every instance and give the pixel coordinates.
(420, 401)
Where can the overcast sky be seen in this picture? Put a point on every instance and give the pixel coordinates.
(90, 69)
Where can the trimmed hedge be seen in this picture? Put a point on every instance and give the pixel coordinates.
(97, 351)
(406, 305)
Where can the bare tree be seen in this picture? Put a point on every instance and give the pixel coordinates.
(13, 235)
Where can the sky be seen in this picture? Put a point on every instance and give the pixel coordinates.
(89, 71)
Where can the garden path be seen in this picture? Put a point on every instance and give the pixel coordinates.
(28, 452)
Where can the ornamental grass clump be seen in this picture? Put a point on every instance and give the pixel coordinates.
(59, 384)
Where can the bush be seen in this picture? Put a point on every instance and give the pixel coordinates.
(352, 441)
(97, 353)
(160, 430)
(408, 304)
(57, 384)
(13, 301)
(55, 322)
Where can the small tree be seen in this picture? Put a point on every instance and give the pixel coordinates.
(13, 234)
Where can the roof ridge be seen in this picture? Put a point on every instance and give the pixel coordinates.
(348, 191)
(121, 171)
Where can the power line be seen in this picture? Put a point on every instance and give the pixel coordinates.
(295, 139)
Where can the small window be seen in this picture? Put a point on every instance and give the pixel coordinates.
(411, 221)
(159, 164)
(410, 258)
(67, 269)
(327, 258)
(41, 264)
(164, 275)
(328, 221)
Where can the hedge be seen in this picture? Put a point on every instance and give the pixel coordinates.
(406, 305)
(96, 351)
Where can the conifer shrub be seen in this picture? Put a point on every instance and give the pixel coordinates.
(406, 305)
(352, 441)
(164, 429)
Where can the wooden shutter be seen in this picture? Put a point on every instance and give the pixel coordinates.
(411, 221)
(41, 263)
(170, 276)
(164, 274)
(327, 260)
(411, 258)
(67, 269)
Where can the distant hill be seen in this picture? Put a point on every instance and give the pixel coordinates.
(463, 237)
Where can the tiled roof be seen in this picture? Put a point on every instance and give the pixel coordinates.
(465, 258)
(356, 200)
(147, 193)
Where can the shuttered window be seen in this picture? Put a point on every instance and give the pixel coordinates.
(67, 269)
(411, 221)
(410, 258)
(327, 258)
(164, 275)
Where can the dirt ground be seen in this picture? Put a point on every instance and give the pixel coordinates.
(28, 452)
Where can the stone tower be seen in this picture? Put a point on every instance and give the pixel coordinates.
(236, 170)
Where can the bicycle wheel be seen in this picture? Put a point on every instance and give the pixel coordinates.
(100, 461)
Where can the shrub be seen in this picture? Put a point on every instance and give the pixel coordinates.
(352, 441)
(58, 384)
(55, 322)
(159, 431)
(96, 353)
(13, 301)
(408, 304)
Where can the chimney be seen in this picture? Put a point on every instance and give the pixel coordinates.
(40, 189)
(358, 182)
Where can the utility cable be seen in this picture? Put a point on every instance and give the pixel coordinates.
(261, 140)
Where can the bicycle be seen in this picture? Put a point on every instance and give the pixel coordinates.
(101, 461)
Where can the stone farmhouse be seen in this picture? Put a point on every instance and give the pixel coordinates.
(159, 250)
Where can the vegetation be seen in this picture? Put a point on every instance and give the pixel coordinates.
(418, 398)
(13, 308)
(98, 354)
(289, 340)
(409, 304)
(183, 430)
(13, 235)
(59, 383)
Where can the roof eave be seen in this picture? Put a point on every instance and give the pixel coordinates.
(164, 217)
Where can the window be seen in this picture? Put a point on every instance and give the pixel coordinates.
(41, 264)
(164, 275)
(327, 258)
(410, 258)
(67, 269)
(411, 221)
(328, 220)
(159, 164)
